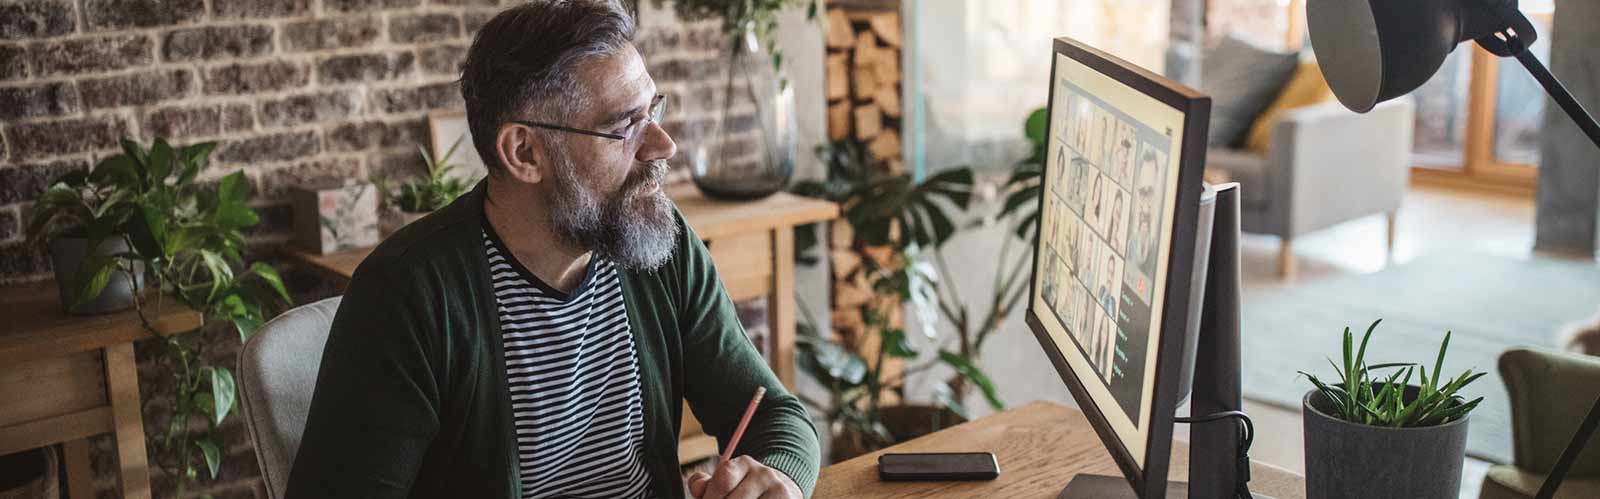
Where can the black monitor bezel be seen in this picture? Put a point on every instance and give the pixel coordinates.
(1196, 108)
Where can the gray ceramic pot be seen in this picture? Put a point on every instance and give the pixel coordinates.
(67, 255)
(1355, 461)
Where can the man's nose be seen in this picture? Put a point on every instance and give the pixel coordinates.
(658, 145)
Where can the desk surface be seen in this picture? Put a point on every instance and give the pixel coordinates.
(710, 219)
(1040, 446)
(36, 327)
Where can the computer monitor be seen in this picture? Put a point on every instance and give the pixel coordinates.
(1120, 258)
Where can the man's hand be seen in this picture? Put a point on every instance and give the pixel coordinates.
(743, 478)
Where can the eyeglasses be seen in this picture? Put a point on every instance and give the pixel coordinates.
(658, 107)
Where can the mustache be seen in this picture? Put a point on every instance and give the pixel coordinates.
(651, 171)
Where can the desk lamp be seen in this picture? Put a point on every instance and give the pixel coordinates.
(1374, 50)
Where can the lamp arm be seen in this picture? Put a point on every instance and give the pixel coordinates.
(1574, 447)
(1559, 92)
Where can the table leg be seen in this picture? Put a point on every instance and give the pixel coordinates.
(122, 381)
(80, 475)
(781, 307)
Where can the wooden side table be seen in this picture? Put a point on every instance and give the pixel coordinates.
(752, 245)
(64, 378)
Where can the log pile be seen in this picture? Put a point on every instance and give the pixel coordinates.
(863, 82)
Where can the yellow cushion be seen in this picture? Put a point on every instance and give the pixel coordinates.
(1305, 88)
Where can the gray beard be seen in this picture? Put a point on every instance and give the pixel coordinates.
(634, 233)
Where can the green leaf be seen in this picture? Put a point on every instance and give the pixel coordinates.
(117, 170)
(947, 398)
(829, 361)
(895, 344)
(93, 277)
(971, 372)
(213, 455)
(161, 158)
(1035, 127)
(220, 273)
(246, 325)
(234, 188)
(235, 216)
(222, 392)
(269, 274)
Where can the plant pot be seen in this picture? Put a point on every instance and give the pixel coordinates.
(393, 219)
(30, 474)
(1350, 460)
(67, 254)
(904, 422)
(735, 162)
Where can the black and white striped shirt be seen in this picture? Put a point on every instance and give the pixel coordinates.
(574, 378)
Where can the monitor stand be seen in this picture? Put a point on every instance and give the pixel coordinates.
(1213, 447)
(1114, 487)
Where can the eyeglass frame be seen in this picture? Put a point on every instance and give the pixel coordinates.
(658, 108)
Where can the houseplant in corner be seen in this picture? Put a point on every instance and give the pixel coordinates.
(184, 237)
(1370, 435)
(412, 198)
(897, 222)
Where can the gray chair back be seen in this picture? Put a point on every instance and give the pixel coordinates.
(277, 374)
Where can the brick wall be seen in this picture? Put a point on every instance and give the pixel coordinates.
(296, 90)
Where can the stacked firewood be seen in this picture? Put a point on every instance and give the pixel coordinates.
(863, 79)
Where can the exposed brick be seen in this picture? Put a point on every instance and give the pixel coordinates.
(255, 9)
(253, 78)
(114, 14)
(146, 87)
(473, 21)
(31, 140)
(191, 121)
(366, 135)
(309, 108)
(400, 165)
(89, 55)
(217, 41)
(10, 225)
(47, 99)
(347, 32)
(416, 28)
(367, 5)
(443, 59)
(36, 18)
(21, 262)
(467, 3)
(285, 146)
(24, 183)
(13, 62)
(402, 100)
(651, 42)
(275, 184)
(365, 67)
(238, 117)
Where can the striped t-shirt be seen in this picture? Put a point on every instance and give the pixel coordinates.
(574, 378)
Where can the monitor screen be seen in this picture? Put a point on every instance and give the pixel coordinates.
(1110, 187)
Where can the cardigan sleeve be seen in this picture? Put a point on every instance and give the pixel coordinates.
(722, 371)
(374, 411)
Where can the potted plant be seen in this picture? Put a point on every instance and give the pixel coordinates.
(186, 239)
(897, 223)
(1370, 435)
(415, 197)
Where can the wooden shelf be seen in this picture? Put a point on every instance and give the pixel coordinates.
(35, 325)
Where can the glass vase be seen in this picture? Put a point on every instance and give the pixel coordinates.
(749, 150)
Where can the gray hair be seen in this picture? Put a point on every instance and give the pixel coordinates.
(523, 63)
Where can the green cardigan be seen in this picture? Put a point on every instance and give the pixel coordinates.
(411, 399)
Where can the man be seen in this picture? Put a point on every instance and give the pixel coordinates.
(537, 337)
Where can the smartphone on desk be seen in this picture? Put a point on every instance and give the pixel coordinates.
(938, 467)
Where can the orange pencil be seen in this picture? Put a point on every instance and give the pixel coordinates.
(739, 432)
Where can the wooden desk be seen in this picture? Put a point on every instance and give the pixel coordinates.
(752, 245)
(1040, 446)
(64, 378)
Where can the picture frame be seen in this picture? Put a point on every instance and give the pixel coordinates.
(444, 129)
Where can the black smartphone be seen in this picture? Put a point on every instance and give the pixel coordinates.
(938, 467)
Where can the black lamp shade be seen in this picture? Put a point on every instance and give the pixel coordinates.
(1371, 51)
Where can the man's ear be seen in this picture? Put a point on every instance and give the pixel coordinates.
(520, 151)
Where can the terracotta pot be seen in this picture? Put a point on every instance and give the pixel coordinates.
(904, 422)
